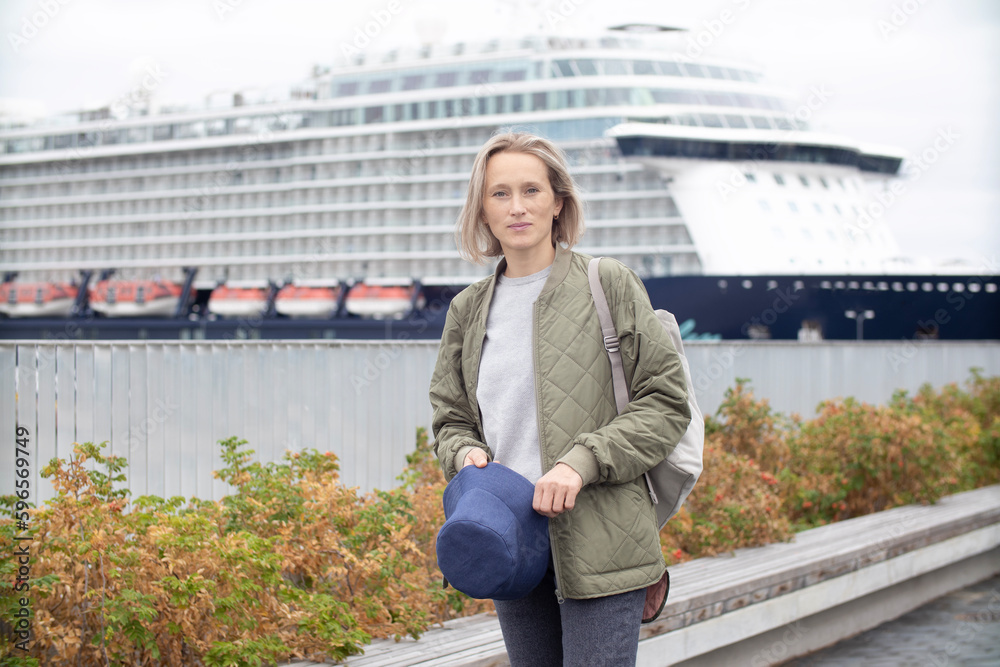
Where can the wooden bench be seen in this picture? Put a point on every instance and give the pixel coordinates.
(719, 602)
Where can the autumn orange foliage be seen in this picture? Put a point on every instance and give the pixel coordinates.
(293, 564)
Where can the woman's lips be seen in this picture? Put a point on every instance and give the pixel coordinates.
(518, 226)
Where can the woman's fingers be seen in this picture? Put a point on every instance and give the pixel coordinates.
(476, 457)
(556, 491)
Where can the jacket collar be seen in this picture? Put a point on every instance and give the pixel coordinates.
(560, 269)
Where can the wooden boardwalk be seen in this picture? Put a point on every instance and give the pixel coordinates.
(709, 588)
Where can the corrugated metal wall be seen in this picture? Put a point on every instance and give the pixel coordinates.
(164, 405)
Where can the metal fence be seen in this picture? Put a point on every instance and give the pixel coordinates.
(165, 404)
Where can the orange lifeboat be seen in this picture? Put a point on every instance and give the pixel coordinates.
(238, 301)
(381, 301)
(135, 298)
(37, 299)
(301, 301)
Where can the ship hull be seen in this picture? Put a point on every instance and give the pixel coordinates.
(707, 307)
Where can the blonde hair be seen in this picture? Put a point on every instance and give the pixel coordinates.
(475, 241)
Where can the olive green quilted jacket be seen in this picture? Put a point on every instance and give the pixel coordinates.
(608, 543)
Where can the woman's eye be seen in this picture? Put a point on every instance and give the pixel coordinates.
(499, 194)
(532, 190)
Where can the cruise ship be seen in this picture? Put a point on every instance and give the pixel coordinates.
(330, 212)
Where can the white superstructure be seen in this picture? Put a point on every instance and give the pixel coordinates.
(362, 173)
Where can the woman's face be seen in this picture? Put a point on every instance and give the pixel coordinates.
(519, 203)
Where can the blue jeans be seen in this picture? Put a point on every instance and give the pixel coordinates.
(599, 632)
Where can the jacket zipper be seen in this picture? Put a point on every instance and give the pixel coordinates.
(541, 450)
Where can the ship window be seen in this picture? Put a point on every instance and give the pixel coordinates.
(784, 123)
(764, 206)
(694, 69)
(804, 180)
(731, 73)
(643, 67)
(793, 207)
(499, 99)
(379, 86)
(515, 75)
(482, 106)
(562, 68)
(413, 82)
(617, 96)
(414, 111)
(825, 184)
(449, 108)
(399, 112)
(585, 67)
(750, 176)
(720, 99)
(735, 121)
(348, 88)
(163, 132)
(373, 115)
(516, 103)
(615, 67)
(668, 68)
(760, 122)
(480, 76)
(715, 72)
(446, 79)
(710, 120)
(837, 209)
(677, 96)
(539, 101)
(779, 179)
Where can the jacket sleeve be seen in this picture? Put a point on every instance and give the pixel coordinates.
(658, 414)
(454, 422)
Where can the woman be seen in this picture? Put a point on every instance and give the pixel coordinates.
(523, 378)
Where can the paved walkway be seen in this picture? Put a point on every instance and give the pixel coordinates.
(961, 628)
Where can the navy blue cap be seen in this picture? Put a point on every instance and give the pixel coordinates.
(492, 544)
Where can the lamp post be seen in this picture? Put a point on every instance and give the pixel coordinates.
(860, 317)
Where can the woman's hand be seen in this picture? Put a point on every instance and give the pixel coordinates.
(556, 491)
(476, 457)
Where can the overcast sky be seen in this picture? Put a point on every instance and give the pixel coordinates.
(898, 72)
